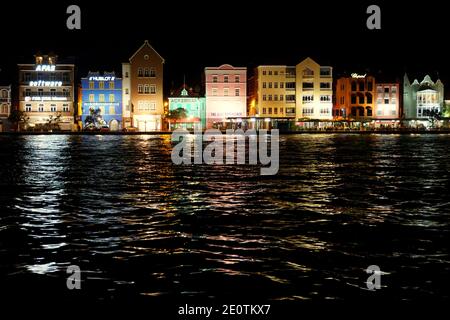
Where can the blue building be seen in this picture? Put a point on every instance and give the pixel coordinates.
(101, 102)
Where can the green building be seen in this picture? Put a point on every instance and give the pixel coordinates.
(187, 110)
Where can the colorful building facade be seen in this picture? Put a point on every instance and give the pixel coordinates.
(101, 101)
(46, 93)
(5, 107)
(143, 78)
(387, 101)
(193, 106)
(226, 94)
(355, 97)
(422, 100)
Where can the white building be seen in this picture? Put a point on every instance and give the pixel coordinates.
(420, 100)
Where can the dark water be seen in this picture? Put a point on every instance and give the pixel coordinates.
(143, 229)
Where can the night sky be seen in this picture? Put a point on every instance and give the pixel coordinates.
(193, 34)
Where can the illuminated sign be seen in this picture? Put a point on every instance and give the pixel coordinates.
(45, 67)
(101, 78)
(358, 76)
(41, 83)
(46, 98)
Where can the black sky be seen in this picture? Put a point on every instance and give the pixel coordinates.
(193, 34)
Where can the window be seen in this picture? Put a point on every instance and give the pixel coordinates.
(127, 91)
(308, 73)
(146, 105)
(236, 92)
(66, 108)
(112, 110)
(66, 77)
(361, 86)
(270, 85)
(369, 86)
(281, 97)
(325, 85)
(215, 79)
(91, 98)
(325, 98)
(308, 85)
(386, 89)
(275, 85)
(101, 97)
(52, 92)
(394, 89)
(275, 110)
(393, 112)
(264, 73)
(140, 88)
(386, 101)
(264, 85)
(270, 73)
(308, 111)
(225, 92)
(369, 98)
(308, 98)
(152, 73)
(264, 111)
(281, 110)
(28, 108)
(214, 91)
(146, 89)
(264, 97)
(111, 84)
(140, 73)
(101, 85)
(91, 84)
(52, 108)
(275, 97)
(290, 85)
(27, 77)
(324, 111)
(152, 89)
(325, 72)
(353, 99)
(379, 112)
(275, 73)
(290, 97)
(111, 98)
(146, 72)
(236, 79)
(379, 101)
(270, 110)
(126, 74)
(353, 85)
(41, 108)
(361, 99)
(270, 97)
(281, 85)
(225, 79)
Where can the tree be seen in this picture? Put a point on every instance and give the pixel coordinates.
(17, 116)
(176, 114)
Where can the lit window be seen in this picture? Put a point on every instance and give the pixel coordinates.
(91, 84)
(152, 89)
(111, 84)
(101, 85)
(111, 98)
(101, 97)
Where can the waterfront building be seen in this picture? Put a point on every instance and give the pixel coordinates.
(422, 100)
(46, 93)
(143, 89)
(5, 107)
(226, 94)
(387, 101)
(101, 106)
(355, 97)
(314, 90)
(192, 105)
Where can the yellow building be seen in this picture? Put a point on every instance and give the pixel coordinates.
(314, 91)
(295, 93)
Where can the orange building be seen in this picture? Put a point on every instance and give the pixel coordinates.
(355, 97)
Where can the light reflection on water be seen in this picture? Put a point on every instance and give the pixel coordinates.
(139, 226)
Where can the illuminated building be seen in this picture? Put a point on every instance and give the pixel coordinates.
(314, 90)
(355, 97)
(5, 106)
(102, 93)
(194, 106)
(422, 100)
(46, 92)
(273, 94)
(226, 94)
(387, 101)
(143, 86)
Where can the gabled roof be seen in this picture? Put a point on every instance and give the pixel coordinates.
(146, 43)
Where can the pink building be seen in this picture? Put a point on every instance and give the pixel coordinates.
(226, 94)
